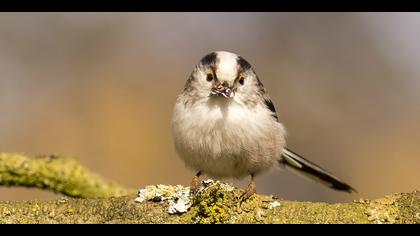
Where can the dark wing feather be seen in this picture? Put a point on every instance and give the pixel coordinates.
(267, 101)
(269, 104)
(296, 162)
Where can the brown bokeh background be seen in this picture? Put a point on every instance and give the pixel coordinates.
(101, 87)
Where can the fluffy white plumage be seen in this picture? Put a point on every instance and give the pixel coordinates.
(225, 125)
(227, 67)
(226, 137)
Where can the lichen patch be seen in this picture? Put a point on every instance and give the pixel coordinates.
(178, 197)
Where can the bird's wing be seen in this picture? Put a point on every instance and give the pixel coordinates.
(297, 163)
(266, 98)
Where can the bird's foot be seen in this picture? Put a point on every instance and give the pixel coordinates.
(195, 184)
(250, 190)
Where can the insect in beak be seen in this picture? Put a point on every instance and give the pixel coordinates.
(222, 90)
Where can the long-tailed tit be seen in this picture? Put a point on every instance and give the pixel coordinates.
(225, 125)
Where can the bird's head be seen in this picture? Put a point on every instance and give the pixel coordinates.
(224, 75)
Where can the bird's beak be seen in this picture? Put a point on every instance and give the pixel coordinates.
(222, 89)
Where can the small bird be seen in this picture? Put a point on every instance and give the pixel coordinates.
(225, 125)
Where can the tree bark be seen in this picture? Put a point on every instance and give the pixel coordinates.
(215, 203)
(60, 174)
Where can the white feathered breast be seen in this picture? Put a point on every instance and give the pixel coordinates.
(223, 138)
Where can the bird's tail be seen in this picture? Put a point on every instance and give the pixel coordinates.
(295, 162)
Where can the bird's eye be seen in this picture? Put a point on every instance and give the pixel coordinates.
(241, 81)
(210, 77)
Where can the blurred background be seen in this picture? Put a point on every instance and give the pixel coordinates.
(102, 86)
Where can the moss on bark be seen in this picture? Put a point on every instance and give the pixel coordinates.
(213, 205)
(216, 203)
(60, 174)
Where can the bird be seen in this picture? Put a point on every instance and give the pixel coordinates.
(225, 125)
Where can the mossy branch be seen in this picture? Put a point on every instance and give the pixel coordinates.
(59, 174)
(215, 203)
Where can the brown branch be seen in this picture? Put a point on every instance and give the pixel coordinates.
(216, 203)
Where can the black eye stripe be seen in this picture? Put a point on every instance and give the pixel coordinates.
(209, 59)
(243, 64)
